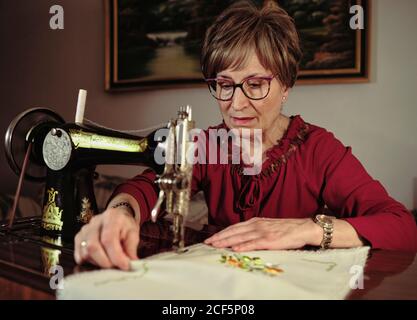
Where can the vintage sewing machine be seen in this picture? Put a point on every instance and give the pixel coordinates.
(65, 155)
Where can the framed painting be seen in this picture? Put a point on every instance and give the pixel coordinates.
(156, 43)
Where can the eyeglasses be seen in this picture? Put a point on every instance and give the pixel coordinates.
(255, 88)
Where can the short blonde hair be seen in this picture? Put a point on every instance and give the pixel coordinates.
(243, 28)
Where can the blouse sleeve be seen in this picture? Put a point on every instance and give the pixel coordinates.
(145, 191)
(353, 195)
(143, 188)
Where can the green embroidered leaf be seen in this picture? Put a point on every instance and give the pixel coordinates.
(249, 264)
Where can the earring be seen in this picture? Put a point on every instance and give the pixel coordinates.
(283, 102)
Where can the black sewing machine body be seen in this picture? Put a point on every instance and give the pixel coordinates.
(68, 154)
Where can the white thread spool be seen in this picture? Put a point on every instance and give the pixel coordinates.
(79, 115)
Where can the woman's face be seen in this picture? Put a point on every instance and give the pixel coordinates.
(242, 112)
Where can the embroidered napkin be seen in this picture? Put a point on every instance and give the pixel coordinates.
(204, 272)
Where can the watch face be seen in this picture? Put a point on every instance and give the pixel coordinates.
(327, 219)
(324, 219)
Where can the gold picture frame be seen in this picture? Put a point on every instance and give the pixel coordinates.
(141, 52)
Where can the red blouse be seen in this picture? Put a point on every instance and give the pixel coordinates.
(307, 170)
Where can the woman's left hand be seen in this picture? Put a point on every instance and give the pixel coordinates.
(264, 233)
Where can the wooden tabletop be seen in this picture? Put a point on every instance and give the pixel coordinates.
(26, 259)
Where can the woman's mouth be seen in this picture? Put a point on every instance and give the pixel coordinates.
(240, 121)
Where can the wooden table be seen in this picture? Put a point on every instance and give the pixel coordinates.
(25, 261)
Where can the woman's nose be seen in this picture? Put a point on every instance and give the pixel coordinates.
(239, 100)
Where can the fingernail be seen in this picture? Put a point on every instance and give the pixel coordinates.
(133, 256)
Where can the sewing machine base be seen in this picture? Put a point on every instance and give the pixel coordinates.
(29, 229)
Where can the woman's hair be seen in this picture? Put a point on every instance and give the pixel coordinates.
(242, 29)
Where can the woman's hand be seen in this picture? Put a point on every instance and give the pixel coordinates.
(109, 240)
(263, 233)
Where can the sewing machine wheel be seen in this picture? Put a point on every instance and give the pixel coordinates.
(16, 140)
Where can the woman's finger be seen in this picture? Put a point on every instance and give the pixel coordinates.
(255, 244)
(130, 243)
(236, 239)
(92, 250)
(270, 241)
(230, 231)
(110, 237)
(77, 242)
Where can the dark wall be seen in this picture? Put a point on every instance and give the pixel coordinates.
(44, 67)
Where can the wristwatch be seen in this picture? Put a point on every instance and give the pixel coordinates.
(326, 222)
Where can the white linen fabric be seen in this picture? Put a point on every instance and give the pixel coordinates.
(199, 273)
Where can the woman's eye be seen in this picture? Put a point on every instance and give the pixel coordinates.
(255, 84)
(226, 86)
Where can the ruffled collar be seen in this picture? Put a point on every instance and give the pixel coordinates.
(247, 188)
(280, 152)
(293, 136)
(285, 147)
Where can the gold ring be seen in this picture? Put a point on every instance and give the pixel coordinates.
(83, 244)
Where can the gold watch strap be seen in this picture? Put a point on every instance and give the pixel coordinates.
(327, 224)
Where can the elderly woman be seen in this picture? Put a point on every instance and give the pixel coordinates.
(250, 60)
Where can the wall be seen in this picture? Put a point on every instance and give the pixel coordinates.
(42, 67)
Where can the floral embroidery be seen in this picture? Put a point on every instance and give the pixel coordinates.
(330, 265)
(137, 275)
(250, 264)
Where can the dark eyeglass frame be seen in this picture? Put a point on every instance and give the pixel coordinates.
(240, 85)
